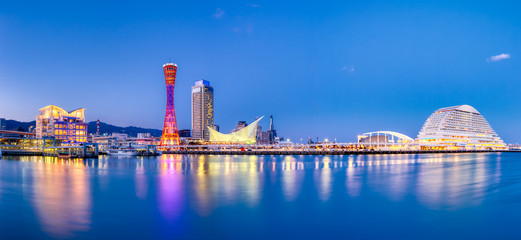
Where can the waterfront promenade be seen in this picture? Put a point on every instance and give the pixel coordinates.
(295, 149)
(319, 152)
(274, 152)
(317, 149)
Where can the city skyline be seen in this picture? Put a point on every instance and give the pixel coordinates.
(364, 69)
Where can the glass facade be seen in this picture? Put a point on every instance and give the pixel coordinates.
(69, 127)
(202, 109)
(459, 127)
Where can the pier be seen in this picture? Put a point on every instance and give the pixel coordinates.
(88, 150)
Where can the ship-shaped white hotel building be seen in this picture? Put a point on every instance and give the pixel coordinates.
(458, 127)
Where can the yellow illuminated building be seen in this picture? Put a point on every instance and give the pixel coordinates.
(70, 127)
(246, 135)
(459, 127)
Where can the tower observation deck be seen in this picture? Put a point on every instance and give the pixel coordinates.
(170, 135)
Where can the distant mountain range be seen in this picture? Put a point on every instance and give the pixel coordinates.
(131, 131)
(19, 126)
(104, 128)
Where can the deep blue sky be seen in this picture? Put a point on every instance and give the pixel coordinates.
(323, 70)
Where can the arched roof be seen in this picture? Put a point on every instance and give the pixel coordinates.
(396, 134)
(465, 108)
(53, 110)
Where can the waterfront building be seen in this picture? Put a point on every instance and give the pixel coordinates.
(245, 135)
(184, 133)
(70, 127)
(143, 141)
(119, 136)
(170, 136)
(259, 133)
(202, 109)
(386, 140)
(240, 125)
(272, 132)
(143, 135)
(385, 137)
(263, 137)
(3, 124)
(458, 127)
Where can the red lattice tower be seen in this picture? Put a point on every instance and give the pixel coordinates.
(170, 135)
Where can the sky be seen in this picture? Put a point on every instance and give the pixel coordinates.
(328, 70)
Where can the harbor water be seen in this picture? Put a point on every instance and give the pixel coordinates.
(416, 196)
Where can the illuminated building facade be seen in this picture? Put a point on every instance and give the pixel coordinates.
(202, 110)
(170, 135)
(70, 127)
(246, 135)
(458, 127)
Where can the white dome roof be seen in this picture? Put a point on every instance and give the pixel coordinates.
(465, 108)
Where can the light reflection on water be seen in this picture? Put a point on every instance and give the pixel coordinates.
(61, 191)
(61, 196)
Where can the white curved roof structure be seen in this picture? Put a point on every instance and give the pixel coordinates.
(55, 111)
(463, 108)
(390, 133)
(246, 135)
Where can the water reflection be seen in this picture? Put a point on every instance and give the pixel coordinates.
(61, 196)
(460, 181)
(436, 180)
(62, 190)
(292, 176)
(353, 180)
(323, 176)
(170, 191)
(141, 180)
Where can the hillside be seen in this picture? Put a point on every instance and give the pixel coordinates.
(131, 130)
(19, 126)
(104, 128)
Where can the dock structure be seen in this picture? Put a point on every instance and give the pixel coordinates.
(322, 152)
(87, 150)
(91, 150)
(21, 153)
(316, 149)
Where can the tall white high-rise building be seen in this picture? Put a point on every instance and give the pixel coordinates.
(458, 127)
(202, 109)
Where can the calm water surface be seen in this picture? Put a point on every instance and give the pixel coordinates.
(429, 196)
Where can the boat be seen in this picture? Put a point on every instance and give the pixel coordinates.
(66, 155)
(122, 152)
